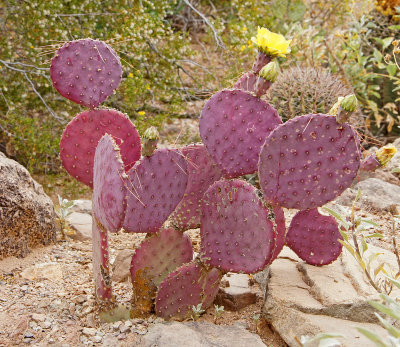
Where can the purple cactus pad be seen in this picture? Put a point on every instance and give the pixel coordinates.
(160, 254)
(308, 161)
(156, 185)
(81, 136)
(86, 71)
(109, 191)
(314, 237)
(233, 126)
(247, 82)
(236, 234)
(279, 233)
(262, 59)
(370, 163)
(188, 286)
(202, 173)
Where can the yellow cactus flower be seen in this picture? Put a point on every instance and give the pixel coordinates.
(270, 43)
(385, 154)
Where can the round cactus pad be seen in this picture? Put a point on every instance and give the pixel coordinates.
(81, 136)
(161, 253)
(86, 71)
(314, 237)
(109, 191)
(153, 260)
(308, 161)
(202, 173)
(236, 234)
(156, 185)
(233, 126)
(188, 286)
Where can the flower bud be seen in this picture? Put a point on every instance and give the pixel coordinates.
(349, 103)
(270, 71)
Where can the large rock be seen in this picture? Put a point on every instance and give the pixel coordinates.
(196, 334)
(304, 300)
(122, 265)
(27, 217)
(375, 194)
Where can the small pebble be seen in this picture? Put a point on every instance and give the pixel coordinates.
(96, 339)
(89, 331)
(38, 317)
(121, 336)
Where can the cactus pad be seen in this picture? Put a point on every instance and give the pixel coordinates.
(189, 285)
(154, 259)
(247, 82)
(233, 126)
(156, 185)
(202, 173)
(236, 234)
(314, 237)
(82, 134)
(86, 71)
(279, 233)
(109, 191)
(308, 161)
(101, 267)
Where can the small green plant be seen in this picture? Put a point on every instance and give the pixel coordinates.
(388, 307)
(64, 210)
(197, 312)
(218, 312)
(351, 228)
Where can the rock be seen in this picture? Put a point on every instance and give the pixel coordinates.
(238, 292)
(82, 206)
(124, 328)
(38, 317)
(375, 194)
(52, 271)
(81, 223)
(89, 331)
(302, 299)
(46, 324)
(196, 334)
(122, 265)
(96, 339)
(27, 217)
(110, 340)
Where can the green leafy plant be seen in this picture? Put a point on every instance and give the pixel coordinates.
(390, 308)
(64, 210)
(351, 228)
(197, 311)
(218, 312)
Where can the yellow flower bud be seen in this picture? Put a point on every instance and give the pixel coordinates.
(270, 71)
(349, 103)
(385, 154)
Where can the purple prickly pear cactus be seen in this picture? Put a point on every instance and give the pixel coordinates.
(370, 163)
(308, 161)
(314, 237)
(189, 285)
(109, 190)
(262, 59)
(86, 71)
(153, 260)
(101, 266)
(236, 234)
(82, 134)
(155, 185)
(233, 126)
(202, 172)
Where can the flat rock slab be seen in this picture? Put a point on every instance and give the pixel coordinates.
(237, 291)
(302, 299)
(122, 265)
(51, 271)
(82, 206)
(375, 194)
(81, 223)
(196, 334)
